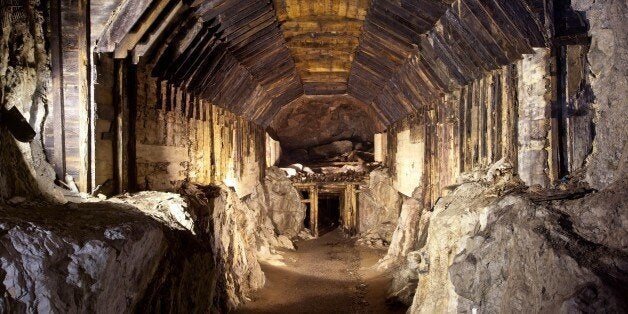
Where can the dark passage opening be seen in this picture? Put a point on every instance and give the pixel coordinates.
(328, 213)
(306, 222)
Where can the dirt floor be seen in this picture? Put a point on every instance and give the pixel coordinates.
(325, 275)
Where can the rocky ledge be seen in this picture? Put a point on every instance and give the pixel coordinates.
(104, 257)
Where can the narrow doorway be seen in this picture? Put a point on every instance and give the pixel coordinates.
(308, 210)
(328, 213)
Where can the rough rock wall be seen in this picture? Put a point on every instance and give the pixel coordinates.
(297, 125)
(280, 201)
(494, 251)
(147, 252)
(234, 243)
(24, 81)
(380, 205)
(410, 229)
(240, 231)
(104, 257)
(608, 77)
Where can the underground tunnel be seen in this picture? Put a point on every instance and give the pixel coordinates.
(294, 156)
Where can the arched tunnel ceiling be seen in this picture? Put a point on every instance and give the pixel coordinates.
(253, 57)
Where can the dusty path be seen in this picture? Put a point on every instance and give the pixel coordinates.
(325, 275)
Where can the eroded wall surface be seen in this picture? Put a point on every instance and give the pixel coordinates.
(608, 77)
(25, 84)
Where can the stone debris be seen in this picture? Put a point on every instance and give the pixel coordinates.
(373, 241)
(290, 172)
(305, 234)
(280, 201)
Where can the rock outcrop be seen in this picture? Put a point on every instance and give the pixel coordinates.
(24, 81)
(496, 251)
(297, 125)
(607, 71)
(411, 227)
(279, 200)
(104, 257)
(380, 205)
(150, 251)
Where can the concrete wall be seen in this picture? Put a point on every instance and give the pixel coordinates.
(180, 137)
(67, 139)
(534, 125)
(409, 160)
(273, 151)
(380, 146)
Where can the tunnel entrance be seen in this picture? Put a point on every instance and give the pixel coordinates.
(328, 213)
(329, 206)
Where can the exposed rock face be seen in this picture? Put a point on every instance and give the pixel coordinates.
(337, 151)
(411, 228)
(380, 205)
(609, 82)
(298, 125)
(138, 252)
(510, 254)
(234, 242)
(233, 230)
(24, 80)
(332, 149)
(405, 280)
(104, 257)
(281, 201)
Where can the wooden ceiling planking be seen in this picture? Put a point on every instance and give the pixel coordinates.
(322, 36)
(254, 56)
(227, 51)
(391, 35)
(414, 52)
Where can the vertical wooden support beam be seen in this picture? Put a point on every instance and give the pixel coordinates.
(349, 216)
(314, 209)
(510, 103)
(120, 126)
(497, 114)
(58, 128)
(460, 131)
(84, 96)
(560, 123)
(131, 105)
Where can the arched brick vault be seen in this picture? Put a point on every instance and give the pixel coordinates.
(253, 57)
